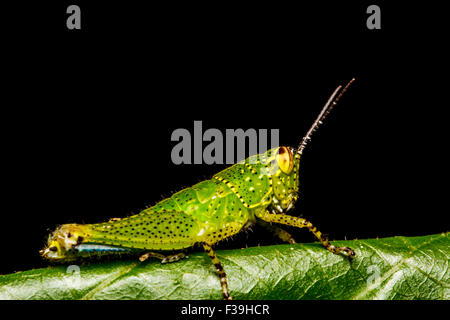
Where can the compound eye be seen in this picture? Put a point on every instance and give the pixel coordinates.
(53, 249)
(285, 160)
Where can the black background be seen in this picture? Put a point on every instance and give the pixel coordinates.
(88, 114)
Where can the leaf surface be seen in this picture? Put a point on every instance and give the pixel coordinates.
(389, 268)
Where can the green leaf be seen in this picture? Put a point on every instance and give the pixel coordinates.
(389, 268)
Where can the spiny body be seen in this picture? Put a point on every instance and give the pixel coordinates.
(209, 211)
(263, 187)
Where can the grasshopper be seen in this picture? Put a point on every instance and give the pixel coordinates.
(261, 188)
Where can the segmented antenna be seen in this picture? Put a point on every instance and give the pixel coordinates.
(332, 101)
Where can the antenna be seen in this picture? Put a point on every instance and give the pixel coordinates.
(332, 101)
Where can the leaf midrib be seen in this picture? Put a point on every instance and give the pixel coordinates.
(391, 270)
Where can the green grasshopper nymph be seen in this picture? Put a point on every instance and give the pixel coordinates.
(262, 188)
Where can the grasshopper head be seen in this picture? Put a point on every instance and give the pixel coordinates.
(285, 179)
(61, 242)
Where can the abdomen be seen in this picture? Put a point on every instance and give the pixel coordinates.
(208, 211)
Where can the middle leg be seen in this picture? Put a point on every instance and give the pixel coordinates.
(222, 275)
(280, 233)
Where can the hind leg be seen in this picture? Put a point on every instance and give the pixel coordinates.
(163, 258)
